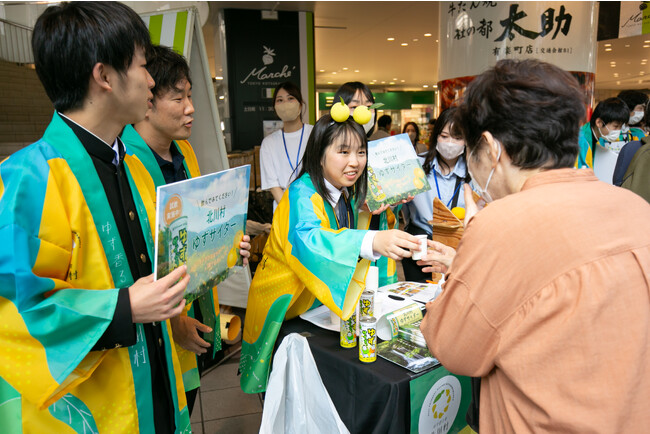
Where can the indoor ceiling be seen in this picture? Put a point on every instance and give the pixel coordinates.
(353, 36)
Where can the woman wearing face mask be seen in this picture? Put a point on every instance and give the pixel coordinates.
(636, 101)
(604, 128)
(281, 152)
(446, 171)
(411, 128)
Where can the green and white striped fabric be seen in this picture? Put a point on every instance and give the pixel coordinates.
(171, 29)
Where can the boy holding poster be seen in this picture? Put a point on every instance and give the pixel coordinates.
(160, 142)
(85, 345)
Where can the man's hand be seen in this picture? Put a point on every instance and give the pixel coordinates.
(186, 334)
(439, 257)
(394, 244)
(244, 249)
(157, 301)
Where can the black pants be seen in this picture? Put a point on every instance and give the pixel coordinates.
(412, 271)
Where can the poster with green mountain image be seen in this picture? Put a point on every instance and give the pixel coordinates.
(394, 171)
(200, 222)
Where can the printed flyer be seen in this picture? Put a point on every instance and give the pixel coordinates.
(394, 171)
(200, 222)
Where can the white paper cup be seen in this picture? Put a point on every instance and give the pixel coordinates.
(422, 252)
(372, 278)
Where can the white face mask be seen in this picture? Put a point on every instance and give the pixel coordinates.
(636, 117)
(612, 135)
(288, 111)
(449, 150)
(483, 191)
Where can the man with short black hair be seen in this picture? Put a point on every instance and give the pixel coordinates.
(85, 344)
(160, 142)
(605, 127)
(383, 128)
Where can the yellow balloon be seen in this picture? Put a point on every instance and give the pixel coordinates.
(458, 212)
(361, 115)
(340, 112)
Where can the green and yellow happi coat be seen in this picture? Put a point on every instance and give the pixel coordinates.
(61, 262)
(209, 302)
(306, 258)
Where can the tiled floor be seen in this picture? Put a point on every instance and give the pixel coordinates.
(222, 407)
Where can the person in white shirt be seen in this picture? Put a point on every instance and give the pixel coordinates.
(282, 151)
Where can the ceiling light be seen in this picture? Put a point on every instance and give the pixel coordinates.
(608, 45)
(333, 73)
(218, 78)
(394, 78)
(345, 69)
(390, 39)
(436, 40)
(322, 70)
(425, 85)
(427, 34)
(618, 82)
(222, 97)
(329, 82)
(609, 49)
(616, 74)
(415, 39)
(404, 44)
(435, 86)
(627, 45)
(356, 70)
(402, 81)
(646, 46)
(383, 82)
(646, 42)
(392, 82)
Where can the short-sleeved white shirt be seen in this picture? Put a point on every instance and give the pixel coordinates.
(275, 168)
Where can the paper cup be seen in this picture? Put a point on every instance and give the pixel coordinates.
(372, 278)
(422, 252)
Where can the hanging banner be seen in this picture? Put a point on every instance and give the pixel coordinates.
(475, 35)
(264, 49)
(171, 29)
(634, 19)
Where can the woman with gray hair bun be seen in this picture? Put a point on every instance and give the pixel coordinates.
(546, 298)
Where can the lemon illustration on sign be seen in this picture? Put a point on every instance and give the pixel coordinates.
(238, 237)
(340, 111)
(418, 182)
(361, 115)
(459, 212)
(232, 257)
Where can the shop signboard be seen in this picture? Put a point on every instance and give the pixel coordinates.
(475, 35)
(634, 19)
(439, 402)
(263, 50)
